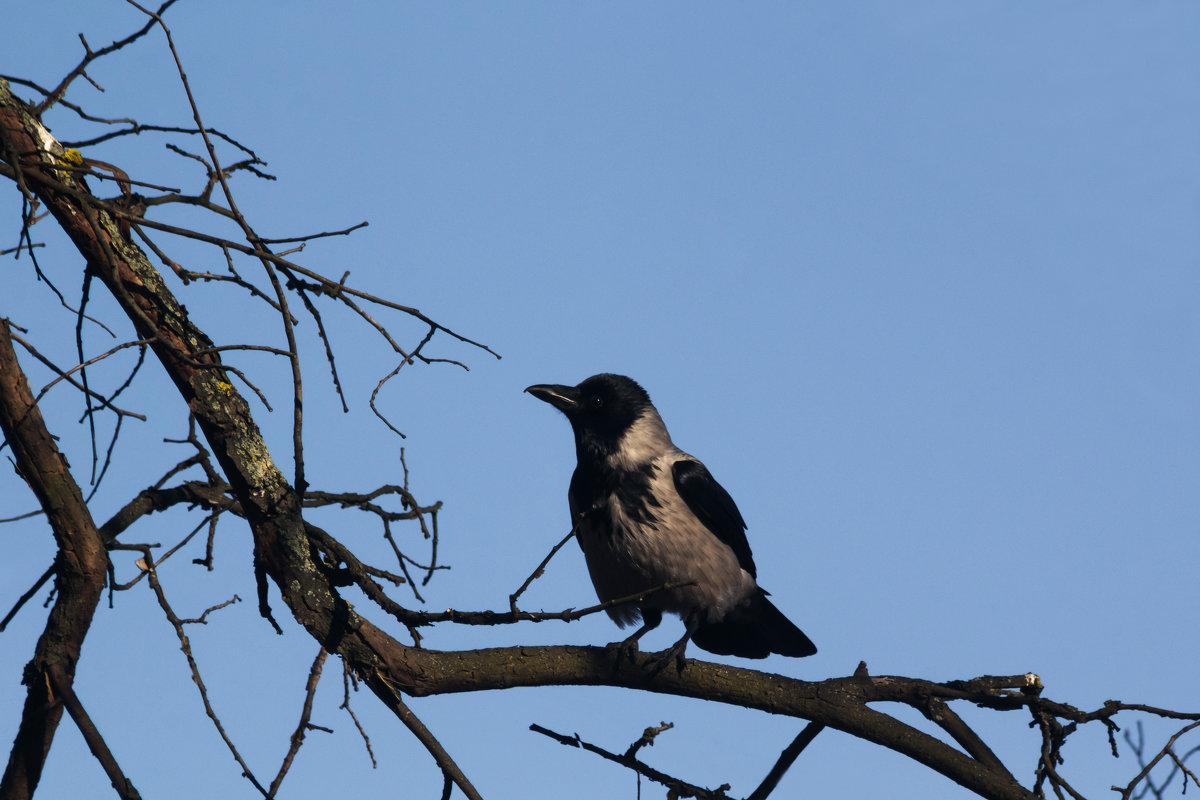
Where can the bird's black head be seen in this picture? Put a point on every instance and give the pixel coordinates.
(601, 409)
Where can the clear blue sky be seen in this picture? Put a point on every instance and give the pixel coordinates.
(919, 282)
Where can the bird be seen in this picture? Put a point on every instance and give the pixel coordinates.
(646, 515)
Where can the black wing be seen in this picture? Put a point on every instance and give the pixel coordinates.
(713, 506)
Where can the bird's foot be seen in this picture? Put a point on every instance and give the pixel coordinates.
(675, 652)
(625, 650)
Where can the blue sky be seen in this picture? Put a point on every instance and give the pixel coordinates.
(919, 282)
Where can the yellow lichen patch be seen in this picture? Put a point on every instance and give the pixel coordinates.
(72, 156)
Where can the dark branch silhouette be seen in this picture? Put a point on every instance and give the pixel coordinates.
(79, 570)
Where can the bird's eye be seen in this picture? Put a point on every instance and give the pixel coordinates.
(597, 401)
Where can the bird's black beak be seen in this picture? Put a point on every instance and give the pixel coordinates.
(564, 398)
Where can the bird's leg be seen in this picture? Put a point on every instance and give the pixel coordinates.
(650, 620)
(675, 652)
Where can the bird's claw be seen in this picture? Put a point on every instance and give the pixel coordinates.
(626, 650)
(661, 660)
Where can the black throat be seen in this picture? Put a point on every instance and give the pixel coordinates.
(596, 487)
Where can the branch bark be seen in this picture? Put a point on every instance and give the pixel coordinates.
(80, 568)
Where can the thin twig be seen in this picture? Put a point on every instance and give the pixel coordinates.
(307, 237)
(91, 55)
(27, 596)
(786, 759)
(297, 739)
(1127, 792)
(347, 679)
(65, 375)
(540, 570)
(186, 647)
(676, 787)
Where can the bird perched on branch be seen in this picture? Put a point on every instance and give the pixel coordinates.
(647, 514)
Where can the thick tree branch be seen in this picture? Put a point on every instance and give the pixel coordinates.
(80, 569)
(91, 734)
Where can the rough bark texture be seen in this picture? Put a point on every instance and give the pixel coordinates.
(80, 567)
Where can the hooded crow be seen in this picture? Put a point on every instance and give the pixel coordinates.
(648, 514)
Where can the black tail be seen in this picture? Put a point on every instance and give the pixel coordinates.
(754, 630)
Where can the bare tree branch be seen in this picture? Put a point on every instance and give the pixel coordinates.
(79, 567)
(297, 739)
(81, 70)
(442, 758)
(1178, 764)
(186, 647)
(676, 787)
(347, 680)
(786, 759)
(62, 684)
